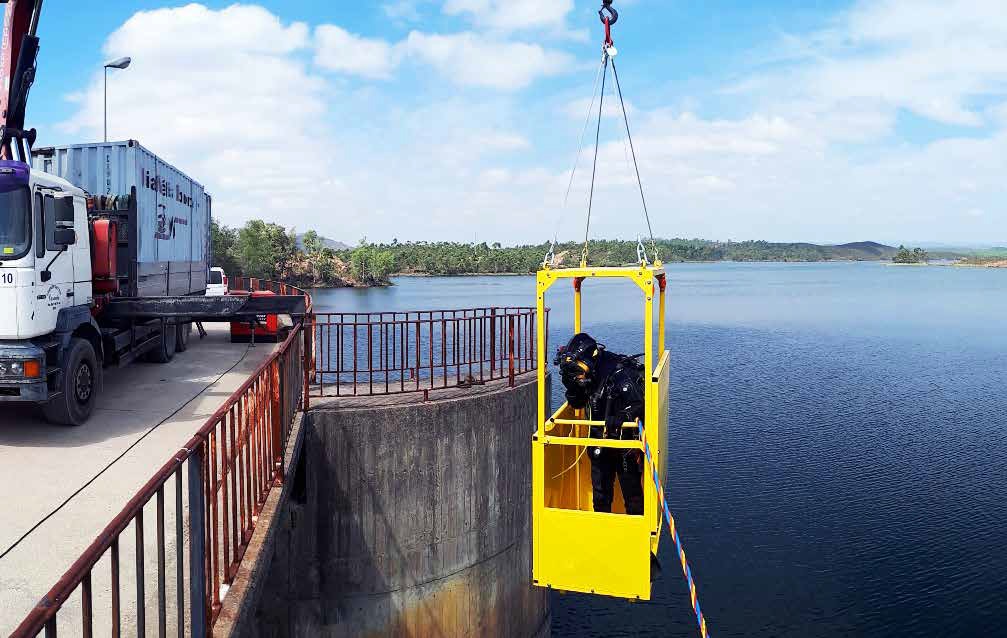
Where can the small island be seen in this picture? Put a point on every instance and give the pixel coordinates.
(914, 257)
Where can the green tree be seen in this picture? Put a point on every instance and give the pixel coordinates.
(265, 249)
(223, 248)
(311, 242)
(371, 265)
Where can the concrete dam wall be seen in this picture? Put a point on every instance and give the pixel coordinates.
(409, 520)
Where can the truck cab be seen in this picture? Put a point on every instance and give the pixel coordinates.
(45, 259)
(45, 288)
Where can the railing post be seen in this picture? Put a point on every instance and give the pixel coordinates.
(510, 349)
(307, 330)
(278, 419)
(197, 546)
(493, 342)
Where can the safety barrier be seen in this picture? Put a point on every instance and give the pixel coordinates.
(218, 483)
(399, 352)
(252, 284)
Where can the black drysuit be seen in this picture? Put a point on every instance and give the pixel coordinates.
(615, 395)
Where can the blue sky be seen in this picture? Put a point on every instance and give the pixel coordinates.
(459, 119)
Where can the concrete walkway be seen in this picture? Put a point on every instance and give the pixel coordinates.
(60, 486)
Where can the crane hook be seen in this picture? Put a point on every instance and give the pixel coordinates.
(613, 15)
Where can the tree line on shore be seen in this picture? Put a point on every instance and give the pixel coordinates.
(269, 250)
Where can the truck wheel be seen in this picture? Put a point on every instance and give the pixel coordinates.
(81, 384)
(182, 338)
(164, 351)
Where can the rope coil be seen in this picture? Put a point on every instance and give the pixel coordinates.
(686, 571)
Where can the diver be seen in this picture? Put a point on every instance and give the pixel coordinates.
(610, 386)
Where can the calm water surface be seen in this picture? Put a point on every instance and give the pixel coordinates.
(838, 438)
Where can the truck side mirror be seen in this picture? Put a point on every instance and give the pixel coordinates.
(64, 237)
(64, 210)
(56, 238)
(58, 214)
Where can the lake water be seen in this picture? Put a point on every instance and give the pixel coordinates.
(838, 444)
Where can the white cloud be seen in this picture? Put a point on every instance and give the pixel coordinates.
(713, 183)
(402, 10)
(338, 50)
(667, 134)
(930, 57)
(468, 59)
(465, 59)
(579, 109)
(499, 141)
(223, 96)
(512, 15)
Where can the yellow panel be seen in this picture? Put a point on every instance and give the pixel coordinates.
(567, 474)
(605, 554)
(567, 477)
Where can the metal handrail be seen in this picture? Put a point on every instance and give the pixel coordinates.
(384, 353)
(231, 463)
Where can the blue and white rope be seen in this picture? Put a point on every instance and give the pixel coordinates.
(700, 620)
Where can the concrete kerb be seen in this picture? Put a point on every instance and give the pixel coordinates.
(242, 598)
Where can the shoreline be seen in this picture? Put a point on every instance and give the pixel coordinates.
(881, 262)
(667, 263)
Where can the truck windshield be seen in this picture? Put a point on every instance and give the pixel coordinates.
(15, 223)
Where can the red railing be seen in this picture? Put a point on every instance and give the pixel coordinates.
(218, 482)
(252, 284)
(398, 352)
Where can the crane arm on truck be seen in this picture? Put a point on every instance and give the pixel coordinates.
(17, 74)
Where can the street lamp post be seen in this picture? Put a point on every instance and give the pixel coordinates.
(121, 63)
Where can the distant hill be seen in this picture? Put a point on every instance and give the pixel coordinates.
(326, 242)
(864, 250)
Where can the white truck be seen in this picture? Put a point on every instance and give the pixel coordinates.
(67, 256)
(94, 280)
(103, 252)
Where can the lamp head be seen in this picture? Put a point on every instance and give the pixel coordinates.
(121, 63)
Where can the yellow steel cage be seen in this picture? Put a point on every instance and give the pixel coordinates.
(575, 548)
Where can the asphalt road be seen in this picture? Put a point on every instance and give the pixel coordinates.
(60, 486)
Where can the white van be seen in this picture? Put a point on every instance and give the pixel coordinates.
(216, 284)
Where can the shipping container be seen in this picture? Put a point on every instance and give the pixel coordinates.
(164, 225)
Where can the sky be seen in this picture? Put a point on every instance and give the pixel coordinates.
(781, 120)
